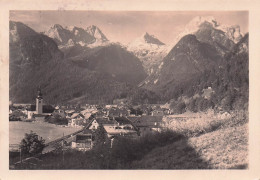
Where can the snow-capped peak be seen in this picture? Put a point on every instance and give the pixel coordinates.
(145, 41)
(54, 32)
(232, 32)
(149, 50)
(197, 21)
(72, 35)
(70, 28)
(57, 26)
(96, 32)
(194, 25)
(152, 39)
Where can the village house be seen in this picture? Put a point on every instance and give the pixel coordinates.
(96, 122)
(121, 127)
(116, 112)
(118, 126)
(157, 112)
(110, 106)
(113, 130)
(69, 113)
(148, 124)
(83, 142)
(59, 112)
(88, 112)
(76, 120)
(101, 114)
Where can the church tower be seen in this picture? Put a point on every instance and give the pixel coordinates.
(39, 102)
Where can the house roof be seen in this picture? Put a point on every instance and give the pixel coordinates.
(83, 137)
(76, 114)
(118, 111)
(87, 131)
(105, 121)
(147, 121)
(122, 120)
(70, 111)
(45, 108)
(87, 115)
(113, 131)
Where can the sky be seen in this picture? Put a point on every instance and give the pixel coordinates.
(125, 26)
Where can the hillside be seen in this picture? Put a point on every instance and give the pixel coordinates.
(193, 68)
(188, 58)
(221, 149)
(112, 59)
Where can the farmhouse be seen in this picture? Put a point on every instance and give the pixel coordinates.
(121, 127)
(82, 142)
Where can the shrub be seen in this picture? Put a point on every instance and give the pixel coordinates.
(32, 144)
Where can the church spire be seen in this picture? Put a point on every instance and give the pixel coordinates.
(39, 102)
(39, 96)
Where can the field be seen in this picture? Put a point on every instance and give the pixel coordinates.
(47, 131)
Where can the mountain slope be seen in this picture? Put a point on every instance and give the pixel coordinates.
(188, 58)
(113, 60)
(224, 87)
(215, 37)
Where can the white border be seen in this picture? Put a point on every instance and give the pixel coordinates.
(163, 5)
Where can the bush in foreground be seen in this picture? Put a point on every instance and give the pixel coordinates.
(32, 144)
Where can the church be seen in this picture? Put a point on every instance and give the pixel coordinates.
(39, 111)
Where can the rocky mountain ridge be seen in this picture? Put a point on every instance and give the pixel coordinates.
(69, 36)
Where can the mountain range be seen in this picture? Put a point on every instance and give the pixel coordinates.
(80, 65)
(72, 35)
(81, 74)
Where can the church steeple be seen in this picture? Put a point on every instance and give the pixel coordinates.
(39, 102)
(39, 96)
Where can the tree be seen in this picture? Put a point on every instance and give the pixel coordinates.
(32, 144)
(100, 136)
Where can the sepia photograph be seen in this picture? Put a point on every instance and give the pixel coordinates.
(128, 90)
